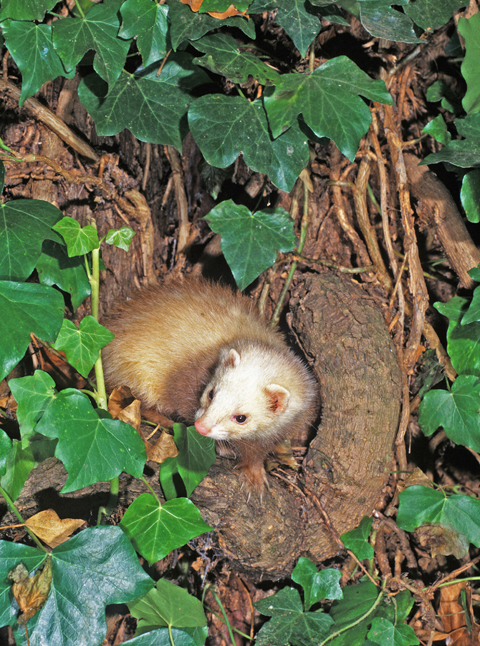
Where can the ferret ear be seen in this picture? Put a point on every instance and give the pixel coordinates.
(277, 398)
(231, 360)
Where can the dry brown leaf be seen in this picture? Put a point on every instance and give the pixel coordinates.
(30, 592)
(119, 399)
(452, 615)
(163, 448)
(51, 529)
(231, 11)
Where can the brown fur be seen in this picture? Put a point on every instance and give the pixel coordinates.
(168, 346)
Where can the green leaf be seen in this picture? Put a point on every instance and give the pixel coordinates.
(300, 21)
(164, 637)
(32, 50)
(421, 505)
(33, 396)
(383, 632)
(437, 128)
(120, 237)
(155, 530)
(26, 9)
(186, 24)
(289, 624)
(223, 56)
(473, 312)
(357, 539)
(148, 22)
(225, 126)
(196, 454)
(464, 153)
(431, 14)
(91, 570)
(470, 30)
(470, 195)
(82, 345)
(456, 411)
(5, 447)
(316, 585)
(24, 225)
(93, 449)
(329, 101)
(26, 308)
(152, 107)
(382, 21)
(222, 5)
(250, 241)
(463, 340)
(97, 31)
(21, 459)
(167, 605)
(54, 267)
(79, 240)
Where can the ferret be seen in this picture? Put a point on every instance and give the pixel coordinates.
(199, 352)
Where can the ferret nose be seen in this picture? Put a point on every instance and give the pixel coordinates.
(201, 428)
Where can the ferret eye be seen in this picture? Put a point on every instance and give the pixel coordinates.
(210, 394)
(240, 419)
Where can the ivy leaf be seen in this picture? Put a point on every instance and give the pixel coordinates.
(431, 14)
(329, 101)
(155, 530)
(31, 47)
(186, 24)
(464, 153)
(21, 459)
(26, 10)
(456, 411)
(463, 341)
(384, 632)
(152, 107)
(316, 585)
(54, 267)
(469, 29)
(196, 454)
(165, 637)
(91, 570)
(97, 31)
(300, 22)
(472, 315)
(26, 308)
(120, 237)
(382, 21)
(437, 128)
(289, 624)
(148, 22)
(82, 345)
(33, 396)
(225, 126)
(79, 240)
(5, 447)
(25, 224)
(470, 195)
(93, 449)
(167, 605)
(250, 241)
(224, 57)
(421, 505)
(357, 539)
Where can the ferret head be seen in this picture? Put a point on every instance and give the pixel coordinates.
(255, 393)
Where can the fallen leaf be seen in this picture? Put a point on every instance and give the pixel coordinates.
(30, 592)
(231, 11)
(51, 529)
(163, 448)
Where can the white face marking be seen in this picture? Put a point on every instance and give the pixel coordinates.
(242, 386)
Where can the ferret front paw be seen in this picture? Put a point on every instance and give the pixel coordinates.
(254, 480)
